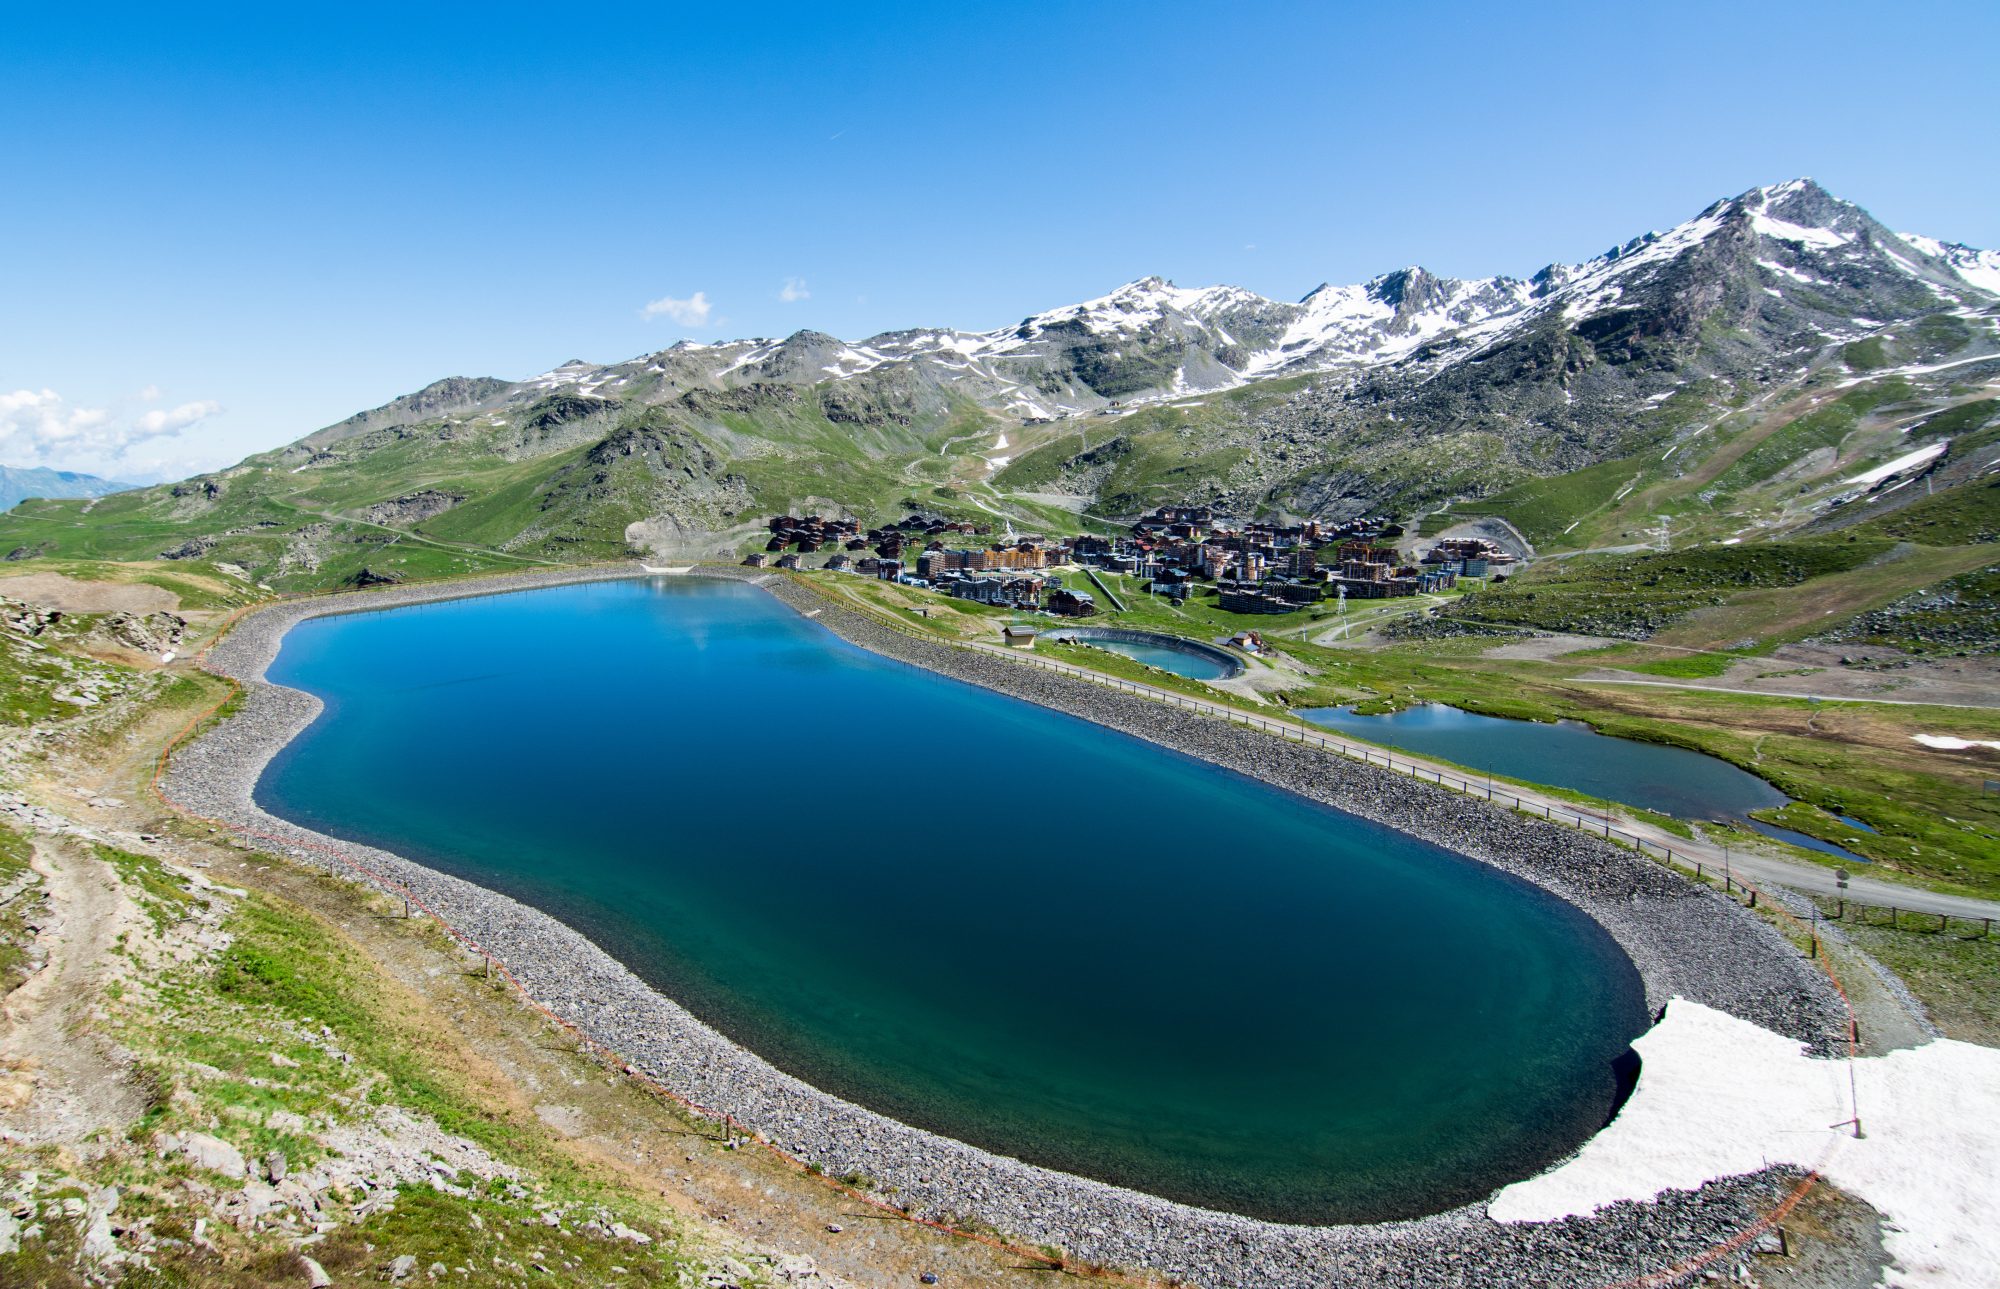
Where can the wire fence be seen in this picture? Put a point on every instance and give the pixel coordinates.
(1705, 870)
(1912, 921)
(1487, 789)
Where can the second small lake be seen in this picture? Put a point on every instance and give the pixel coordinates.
(1568, 754)
(1180, 657)
(1179, 662)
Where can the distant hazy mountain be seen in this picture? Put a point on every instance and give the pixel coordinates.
(18, 483)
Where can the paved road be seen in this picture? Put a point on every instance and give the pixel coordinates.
(1815, 880)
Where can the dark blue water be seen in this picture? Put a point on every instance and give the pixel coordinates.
(1672, 780)
(970, 913)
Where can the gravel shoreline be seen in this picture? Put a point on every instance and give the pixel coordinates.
(1684, 940)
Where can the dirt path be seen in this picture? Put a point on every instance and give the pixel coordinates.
(1598, 678)
(60, 1082)
(1885, 1022)
(405, 535)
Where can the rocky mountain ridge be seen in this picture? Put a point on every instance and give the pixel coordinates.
(1150, 338)
(1397, 395)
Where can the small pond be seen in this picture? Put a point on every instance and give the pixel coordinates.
(1806, 841)
(1188, 658)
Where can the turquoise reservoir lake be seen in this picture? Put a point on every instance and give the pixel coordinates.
(979, 916)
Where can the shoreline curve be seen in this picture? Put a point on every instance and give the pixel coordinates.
(1683, 940)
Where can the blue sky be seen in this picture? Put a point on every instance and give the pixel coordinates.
(227, 228)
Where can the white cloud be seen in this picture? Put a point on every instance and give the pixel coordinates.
(40, 427)
(36, 420)
(179, 418)
(794, 290)
(150, 394)
(691, 312)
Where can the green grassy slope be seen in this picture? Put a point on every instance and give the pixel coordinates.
(1636, 595)
(526, 496)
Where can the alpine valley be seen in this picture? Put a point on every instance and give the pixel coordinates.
(1734, 374)
(1440, 782)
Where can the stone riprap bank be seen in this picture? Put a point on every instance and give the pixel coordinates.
(1684, 941)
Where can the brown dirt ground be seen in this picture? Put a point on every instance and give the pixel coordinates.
(68, 595)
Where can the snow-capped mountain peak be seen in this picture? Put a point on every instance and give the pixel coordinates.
(1787, 259)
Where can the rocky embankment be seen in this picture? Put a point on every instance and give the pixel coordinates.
(1685, 941)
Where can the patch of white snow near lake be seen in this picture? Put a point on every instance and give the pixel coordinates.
(1948, 743)
(1718, 1097)
(1000, 443)
(1901, 463)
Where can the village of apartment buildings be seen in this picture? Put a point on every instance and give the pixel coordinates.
(1179, 550)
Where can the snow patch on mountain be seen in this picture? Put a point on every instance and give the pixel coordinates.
(1387, 318)
(572, 373)
(1819, 239)
(1980, 268)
